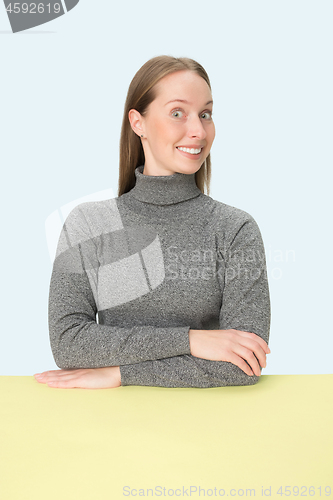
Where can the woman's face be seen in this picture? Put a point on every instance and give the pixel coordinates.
(179, 119)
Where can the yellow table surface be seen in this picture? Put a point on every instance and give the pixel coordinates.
(151, 442)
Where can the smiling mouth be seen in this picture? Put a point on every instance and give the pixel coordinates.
(192, 151)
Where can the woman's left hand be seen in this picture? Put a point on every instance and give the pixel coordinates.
(82, 378)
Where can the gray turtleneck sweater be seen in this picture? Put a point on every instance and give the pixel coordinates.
(133, 274)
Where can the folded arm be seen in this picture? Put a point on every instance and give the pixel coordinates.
(77, 341)
(245, 307)
(148, 355)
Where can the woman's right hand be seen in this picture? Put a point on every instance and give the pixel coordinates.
(234, 346)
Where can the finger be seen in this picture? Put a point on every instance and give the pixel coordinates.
(257, 338)
(41, 380)
(49, 378)
(238, 361)
(63, 379)
(251, 359)
(57, 373)
(60, 372)
(256, 349)
(252, 345)
(64, 384)
(257, 345)
(45, 374)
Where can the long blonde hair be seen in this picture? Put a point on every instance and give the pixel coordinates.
(140, 94)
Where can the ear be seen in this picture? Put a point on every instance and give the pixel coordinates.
(137, 122)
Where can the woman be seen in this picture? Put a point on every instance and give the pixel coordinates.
(178, 280)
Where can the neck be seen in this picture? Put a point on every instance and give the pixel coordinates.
(164, 189)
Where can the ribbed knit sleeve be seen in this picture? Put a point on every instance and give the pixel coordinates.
(77, 340)
(245, 306)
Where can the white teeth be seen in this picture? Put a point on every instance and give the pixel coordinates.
(192, 151)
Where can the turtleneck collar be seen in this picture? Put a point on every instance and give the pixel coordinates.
(164, 189)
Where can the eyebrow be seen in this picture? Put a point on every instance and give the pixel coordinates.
(186, 102)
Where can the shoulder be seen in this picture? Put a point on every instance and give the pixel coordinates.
(94, 218)
(231, 224)
(225, 215)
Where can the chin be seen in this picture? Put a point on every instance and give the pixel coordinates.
(189, 169)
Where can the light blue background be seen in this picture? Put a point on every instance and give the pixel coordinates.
(63, 87)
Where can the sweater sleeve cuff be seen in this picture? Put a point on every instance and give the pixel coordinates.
(159, 342)
(172, 342)
(176, 342)
(137, 374)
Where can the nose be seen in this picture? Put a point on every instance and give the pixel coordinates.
(196, 128)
